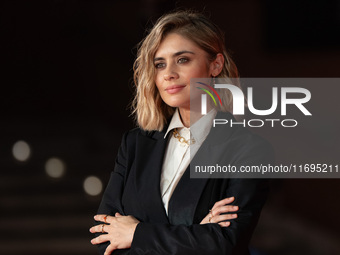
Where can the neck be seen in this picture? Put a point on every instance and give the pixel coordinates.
(185, 116)
(189, 117)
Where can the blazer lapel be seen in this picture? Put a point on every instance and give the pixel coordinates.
(150, 149)
(149, 159)
(184, 200)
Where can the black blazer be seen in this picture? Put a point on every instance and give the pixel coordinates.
(134, 189)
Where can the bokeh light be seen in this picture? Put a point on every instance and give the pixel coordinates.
(21, 151)
(55, 167)
(93, 186)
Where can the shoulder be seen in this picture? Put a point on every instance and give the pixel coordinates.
(251, 148)
(134, 134)
(138, 131)
(242, 141)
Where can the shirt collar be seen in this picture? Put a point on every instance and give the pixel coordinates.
(199, 130)
(175, 122)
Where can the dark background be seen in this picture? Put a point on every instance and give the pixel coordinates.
(66, 87)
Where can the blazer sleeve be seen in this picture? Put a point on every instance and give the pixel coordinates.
(111, 201)
(205, 239)
(196, 239)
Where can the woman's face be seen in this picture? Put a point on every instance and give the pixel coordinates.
(176, 61)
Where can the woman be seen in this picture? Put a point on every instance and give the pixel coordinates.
(151, 205)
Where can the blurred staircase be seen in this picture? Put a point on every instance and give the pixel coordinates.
(45, 215)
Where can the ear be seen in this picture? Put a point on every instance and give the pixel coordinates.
(216, 65)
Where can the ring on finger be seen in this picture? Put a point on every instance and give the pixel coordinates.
(211, 212)
(103, 228)
(105, 217)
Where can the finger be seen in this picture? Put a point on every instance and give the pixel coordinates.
(224, 209)
(217, 212)
(103, 218)
(110, 249)
(117, 214)
(100, 239)
(224, 224)
(223, 217)
(225, 201)
(205, 220)
(99, 228)
(222, 202)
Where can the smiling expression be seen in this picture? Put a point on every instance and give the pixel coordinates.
(176, 61)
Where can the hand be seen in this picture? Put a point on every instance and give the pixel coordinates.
(216, 213)
(120, 230)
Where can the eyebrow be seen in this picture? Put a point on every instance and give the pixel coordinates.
(175, 54)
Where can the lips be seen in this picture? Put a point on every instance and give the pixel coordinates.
(174, 89)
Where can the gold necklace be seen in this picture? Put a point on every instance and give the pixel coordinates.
(181, 139)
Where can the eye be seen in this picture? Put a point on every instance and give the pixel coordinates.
(182, 60)
(159, 65)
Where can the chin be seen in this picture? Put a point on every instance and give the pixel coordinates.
(178, 105)
(176, 102)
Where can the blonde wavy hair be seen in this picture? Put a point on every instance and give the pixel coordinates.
(150, 111)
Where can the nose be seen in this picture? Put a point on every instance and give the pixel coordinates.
(170, 74)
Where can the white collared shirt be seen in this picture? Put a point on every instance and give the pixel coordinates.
(178, 155)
